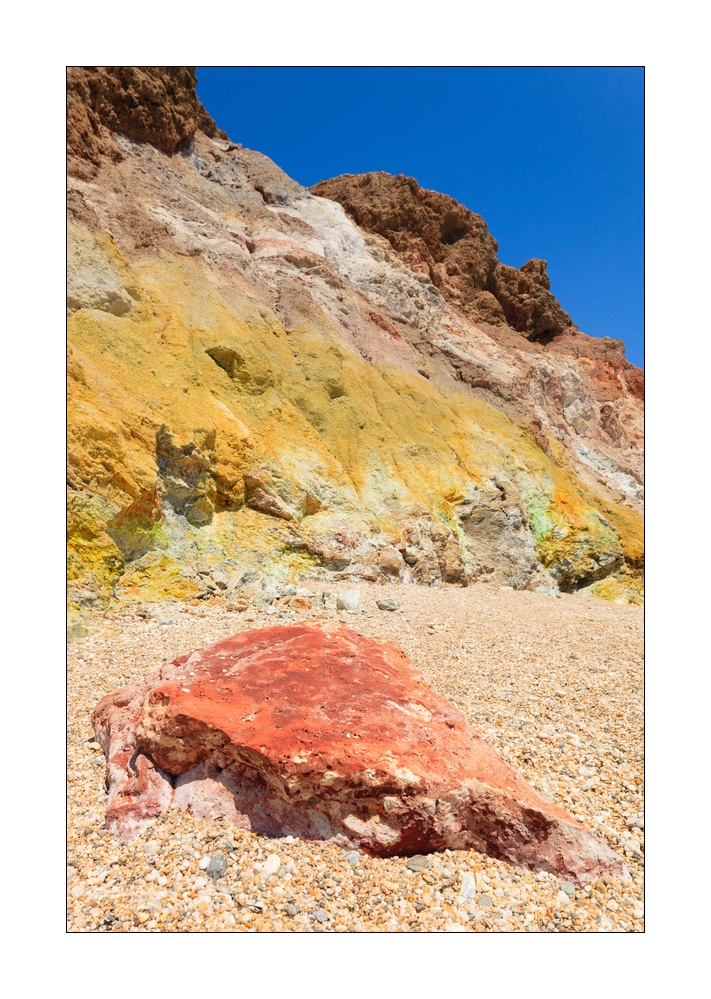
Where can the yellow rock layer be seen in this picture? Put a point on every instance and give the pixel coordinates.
(370, 444)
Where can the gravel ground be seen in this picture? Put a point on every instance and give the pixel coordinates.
(556, 685)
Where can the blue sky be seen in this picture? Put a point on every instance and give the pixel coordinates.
(551, 158)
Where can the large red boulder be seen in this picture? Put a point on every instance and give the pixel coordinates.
(313, 730)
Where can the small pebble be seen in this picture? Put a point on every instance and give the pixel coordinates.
(217, 866)
(271, 865)
(468, 887)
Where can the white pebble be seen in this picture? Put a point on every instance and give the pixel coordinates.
(271, 865)
(204, 863)
(468, 888)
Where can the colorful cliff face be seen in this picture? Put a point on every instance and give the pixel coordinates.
(256, 379)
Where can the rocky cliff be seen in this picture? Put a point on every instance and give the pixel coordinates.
(344, 381)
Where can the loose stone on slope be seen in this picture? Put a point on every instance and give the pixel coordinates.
(348, 600)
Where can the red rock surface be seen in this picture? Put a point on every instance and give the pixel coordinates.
(313, 730)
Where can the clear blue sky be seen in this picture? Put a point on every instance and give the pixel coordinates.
(551, 158)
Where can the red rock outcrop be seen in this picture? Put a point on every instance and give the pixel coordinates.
(314, 730)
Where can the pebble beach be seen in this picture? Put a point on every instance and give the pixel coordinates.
(554, 685)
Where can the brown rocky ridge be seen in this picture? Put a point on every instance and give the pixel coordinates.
(313, 730)
(155, 104)
(452, 245)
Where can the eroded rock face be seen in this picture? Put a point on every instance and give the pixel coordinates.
(529, 307)
(254, 376)
(430, 229)
(453, 245)
(186, 483)
(155, 104)
(316, 731)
